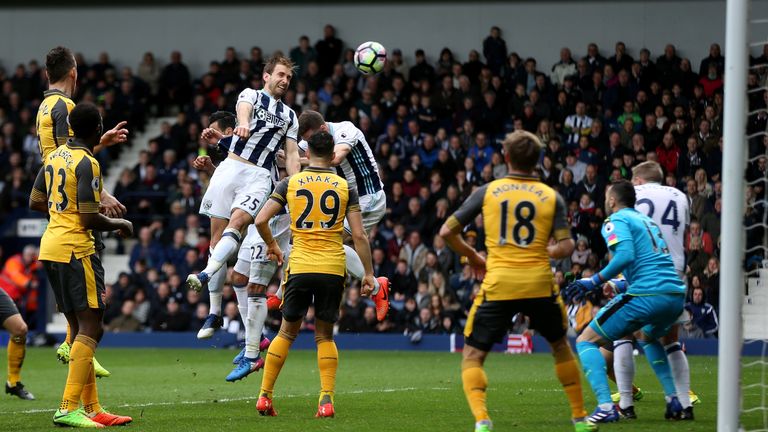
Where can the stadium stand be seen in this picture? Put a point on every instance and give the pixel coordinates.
(435, 126)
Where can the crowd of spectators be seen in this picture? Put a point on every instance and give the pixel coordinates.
(435, 126)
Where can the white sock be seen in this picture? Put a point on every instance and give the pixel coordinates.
(279, 292)
(215, 285)
(624, 369)
(678, 362)
(225, 248)
(355, 267)
(241, 292)
(215, 298)
(254, 327)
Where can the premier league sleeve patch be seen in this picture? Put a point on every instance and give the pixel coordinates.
(609, 233)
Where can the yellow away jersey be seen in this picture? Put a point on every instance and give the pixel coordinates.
(318, 201)
(520, 214)
(70, 181)
(52, 127)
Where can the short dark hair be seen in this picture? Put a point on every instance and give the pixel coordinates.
(58, 63)
(321, 145)
(225, 119)
(310, 121)
(85, 120)
(624, 192)
(522, 150)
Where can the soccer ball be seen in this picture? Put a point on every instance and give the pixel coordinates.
(370, 58)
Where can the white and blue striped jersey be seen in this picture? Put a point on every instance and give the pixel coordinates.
(359, 167)
(669, 209)
(272, 123)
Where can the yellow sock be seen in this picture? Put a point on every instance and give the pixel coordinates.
(90, 395)
(276, 355)
(327, 363)
(68, 338)
(17, 347)
(569, 374)
(475, 385)
(80, 366)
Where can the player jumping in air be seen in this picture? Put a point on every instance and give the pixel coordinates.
(318, 201)
(354, 161)
(252, 272)
(520, 215)
(53, 131)
(652, 303)
(68, 188)
(242, 183)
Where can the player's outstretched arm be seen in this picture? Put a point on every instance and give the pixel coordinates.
(99, 222)
(110, 206)
(292, 160)
(271, 209)
(244, 112)
(204, 163)
(116, 135)
(340, 152)
(363, 248)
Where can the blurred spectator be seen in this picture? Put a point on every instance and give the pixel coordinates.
(328, 51)
(565, 67)
(715, 59)
(495, 50)
(414, 253)
(18, 279)
(710, 282)
(352, 312)
(126, 322)
(173, 318)
(147, 250)
(175, 83)
(703, 323)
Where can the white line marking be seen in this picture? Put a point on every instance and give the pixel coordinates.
(237, 399)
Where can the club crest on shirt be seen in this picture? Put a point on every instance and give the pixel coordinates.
(207, 204)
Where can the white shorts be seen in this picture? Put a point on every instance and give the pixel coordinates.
(373, 207)
(252, 257)
(236, 185)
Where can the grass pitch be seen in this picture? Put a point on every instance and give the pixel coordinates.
(184, 390)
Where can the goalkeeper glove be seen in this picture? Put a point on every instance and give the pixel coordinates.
(577, 290)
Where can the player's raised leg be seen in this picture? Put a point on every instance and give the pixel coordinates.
(17, 344)
(380, 293)
(215, 283)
